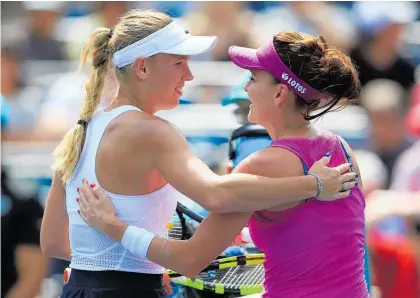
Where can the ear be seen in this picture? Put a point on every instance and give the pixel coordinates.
(140, 68)
(280, 95)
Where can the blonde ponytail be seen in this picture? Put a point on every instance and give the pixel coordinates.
(131, 27)
(67, 153)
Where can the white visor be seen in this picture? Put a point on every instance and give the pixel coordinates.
(172, 39)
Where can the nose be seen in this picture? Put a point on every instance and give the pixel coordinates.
(188, 76)
(247, 86)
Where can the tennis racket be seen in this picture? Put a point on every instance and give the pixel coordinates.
(184, 223)
(239, 275)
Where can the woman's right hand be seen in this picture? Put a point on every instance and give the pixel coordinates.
(333, 179)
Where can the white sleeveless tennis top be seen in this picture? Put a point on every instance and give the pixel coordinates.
(94, 251)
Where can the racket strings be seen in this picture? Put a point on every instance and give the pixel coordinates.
(247, 275)
(181, 228)
(176, 230)
(235, 277)
(254, 276)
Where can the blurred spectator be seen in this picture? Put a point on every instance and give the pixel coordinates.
(377, 53)
(300, 16)
(413, 118)
(222, 19)
(383, 100)
(4, 111)
(23, 266)
(239, 97)
(40, 44)
(413, 121)
(78, 30)
(406, 177)
(110, 11)
(320, 22)
(23, 101)
(63, 102)
(175, 9)
(372, 170)
(396, 258)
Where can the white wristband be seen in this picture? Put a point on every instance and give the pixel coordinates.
(137, 240)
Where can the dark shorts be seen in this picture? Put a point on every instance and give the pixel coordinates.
(113, 284)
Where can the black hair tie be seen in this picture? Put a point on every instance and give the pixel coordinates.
(82, 123)
(111, 31)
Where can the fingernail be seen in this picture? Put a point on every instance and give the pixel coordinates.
(78, 211)
(328, 154)
(77, 189)
(350, 191)
(357, 175)
(92, 185)
(83, 180)
(357, 183)
(77, 200)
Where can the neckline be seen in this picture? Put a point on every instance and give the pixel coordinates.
(320, 133)
(120, 108)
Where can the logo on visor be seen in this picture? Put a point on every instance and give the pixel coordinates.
(292, 83)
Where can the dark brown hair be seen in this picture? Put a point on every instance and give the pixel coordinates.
(327, 70)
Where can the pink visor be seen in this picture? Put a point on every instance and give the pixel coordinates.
(266, 58)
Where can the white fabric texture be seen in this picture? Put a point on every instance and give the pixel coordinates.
(93, 250)
(137, 240)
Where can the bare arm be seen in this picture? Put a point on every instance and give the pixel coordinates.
(175, 160)
(183, 256)
(213, 235)
(381, 204)
(55, 223)
(31, 267)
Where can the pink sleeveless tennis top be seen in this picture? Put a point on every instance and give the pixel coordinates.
(316, 249)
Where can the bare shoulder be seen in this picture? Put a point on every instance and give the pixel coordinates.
(271, 162)
(137, 127)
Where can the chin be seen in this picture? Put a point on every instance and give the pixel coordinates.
(171, 105)
(251, 118)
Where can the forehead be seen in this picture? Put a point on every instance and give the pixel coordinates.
(170, 57)
(179, 57)
(261, 74)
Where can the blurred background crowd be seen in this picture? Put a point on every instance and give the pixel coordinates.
(41, 94)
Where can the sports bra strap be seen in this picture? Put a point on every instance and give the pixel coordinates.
(348, 156)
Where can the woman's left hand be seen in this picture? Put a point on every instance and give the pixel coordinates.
(96, 208)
